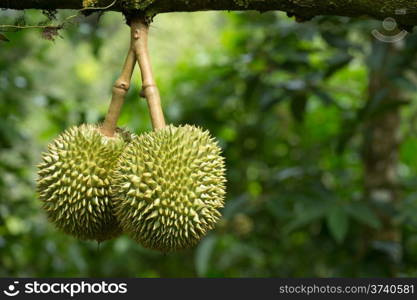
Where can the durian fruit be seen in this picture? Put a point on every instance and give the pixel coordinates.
(169, 187)
(74, 181)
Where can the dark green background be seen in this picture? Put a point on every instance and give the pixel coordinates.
(291, 106)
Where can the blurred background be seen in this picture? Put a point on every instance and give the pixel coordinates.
(317, 121)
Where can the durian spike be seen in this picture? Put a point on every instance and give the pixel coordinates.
(120, 89)
(139, 32)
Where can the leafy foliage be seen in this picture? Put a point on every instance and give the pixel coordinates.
(288, 103)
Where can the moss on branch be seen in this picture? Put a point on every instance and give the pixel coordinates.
(404, 11)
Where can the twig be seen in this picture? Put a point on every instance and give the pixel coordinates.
(139, 34)
(99, 8)
(59, 26)
(31, 26)
(120, 89)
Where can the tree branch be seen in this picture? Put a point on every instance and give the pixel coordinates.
(304, 9)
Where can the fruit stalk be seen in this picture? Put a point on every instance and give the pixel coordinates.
(120, 89)
(139, 31)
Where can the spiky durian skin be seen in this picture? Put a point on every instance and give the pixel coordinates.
(169, 187)
(74, 181)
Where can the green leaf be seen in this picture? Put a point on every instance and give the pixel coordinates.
(338, 222)
(336, 63)
(203, 254)
(363, 214)
(3, 38)
(309, 215)
(298, 106)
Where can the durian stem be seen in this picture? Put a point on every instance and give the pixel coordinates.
(120, 89)
(139, 31)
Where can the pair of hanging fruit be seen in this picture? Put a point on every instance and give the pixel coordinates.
(163, 188)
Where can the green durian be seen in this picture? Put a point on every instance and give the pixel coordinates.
(169, 187)
(74, 181)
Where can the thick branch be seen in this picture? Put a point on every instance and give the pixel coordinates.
(305, 9)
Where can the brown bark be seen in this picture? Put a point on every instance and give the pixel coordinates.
(380, 146)
(304, 9)
(381, 132)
